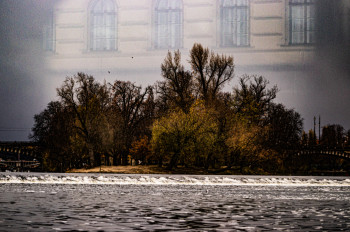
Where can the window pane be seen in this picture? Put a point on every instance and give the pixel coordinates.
(227, 3)
(234, 23)
(108, 6)
(98, 7)
(175, 4)
(103, 25)
(162, 4)
(168, 25)
(302, 21)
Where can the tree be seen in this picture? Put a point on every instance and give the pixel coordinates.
(88, 101)
(283, 132)
(141, 150)
(132, 107)
(187, 117)
(176, 89)
(223, 114)
(312, 139)
(347, 140)
(332, 136)
(252, 98)
(284, 128)
(210, 71)
(52, 130)
(304, 139)
(245, 146)
(184, 138)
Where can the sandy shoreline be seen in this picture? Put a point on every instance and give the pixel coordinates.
(141, 169)
(154, 169)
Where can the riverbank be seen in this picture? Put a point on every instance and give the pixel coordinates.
(149, 169)
(154, 169)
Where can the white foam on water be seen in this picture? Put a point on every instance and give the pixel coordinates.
(43, 178)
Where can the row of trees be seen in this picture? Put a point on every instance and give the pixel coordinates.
(185, 119)
(333, 136)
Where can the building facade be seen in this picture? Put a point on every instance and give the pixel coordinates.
(128, 39)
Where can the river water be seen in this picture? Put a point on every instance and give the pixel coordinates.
(108, 202)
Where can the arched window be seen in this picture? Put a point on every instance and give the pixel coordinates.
(103, 33)
(168, 24)
(301, 21)
(234, 23)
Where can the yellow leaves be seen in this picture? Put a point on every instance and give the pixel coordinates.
(187, 134)
(244, 138)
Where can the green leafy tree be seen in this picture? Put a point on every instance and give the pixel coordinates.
(223, 115)
(208, 75)
(244, 143)
(183, 137)
(248, 151)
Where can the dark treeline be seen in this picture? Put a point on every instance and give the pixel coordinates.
(333, 136)
(185, 119)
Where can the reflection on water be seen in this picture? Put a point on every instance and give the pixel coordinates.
(152, 207)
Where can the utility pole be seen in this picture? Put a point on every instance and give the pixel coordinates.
(315, 125)
(319, 128)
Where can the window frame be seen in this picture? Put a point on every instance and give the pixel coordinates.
(236, 36)
(104, 15)
(172, 40)
(306, 33)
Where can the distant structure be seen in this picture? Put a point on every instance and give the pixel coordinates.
(20, 156)
(100, 36)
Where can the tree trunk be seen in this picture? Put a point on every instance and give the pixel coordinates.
(114, 159)
(124, 158)
(207, 162)
(173, 161)
(92, 157)
(160, 162)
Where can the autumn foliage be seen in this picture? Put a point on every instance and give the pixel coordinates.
(185, 119)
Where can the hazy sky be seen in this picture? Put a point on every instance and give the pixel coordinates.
(321, 90)
(21, 67)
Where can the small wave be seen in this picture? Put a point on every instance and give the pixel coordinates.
(36, 178)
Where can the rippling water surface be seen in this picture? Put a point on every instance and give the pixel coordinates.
(94, 202)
